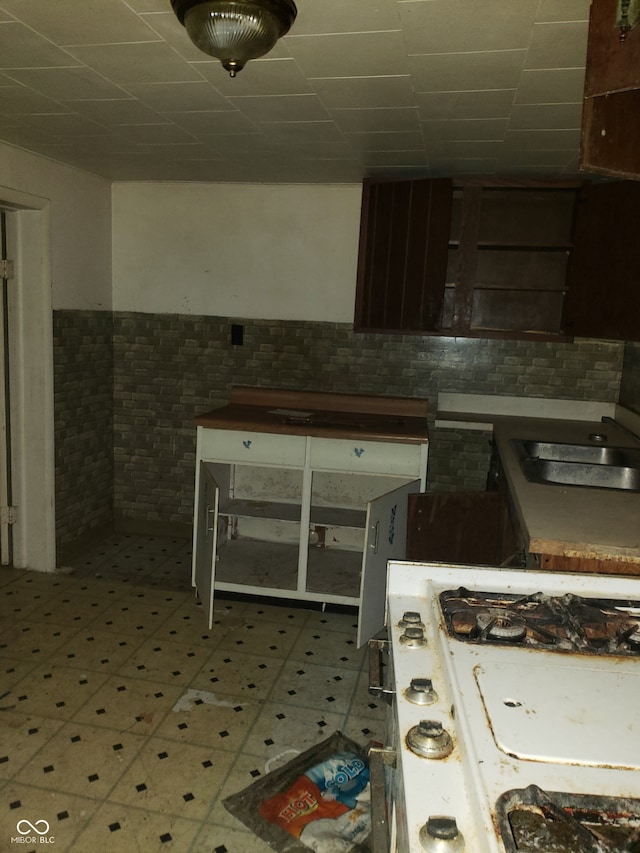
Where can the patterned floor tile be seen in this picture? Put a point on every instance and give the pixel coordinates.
(65, 814)
(279, 729)
(205, 718)
(81, 759)
(23, 736)
(118, 828)
(131, 720)
(239, 674)
(54, 691)
(174, 778)
(129, 705)
(166, 661)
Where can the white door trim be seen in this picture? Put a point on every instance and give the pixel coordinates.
(31, 380)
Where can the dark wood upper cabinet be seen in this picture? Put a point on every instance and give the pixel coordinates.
(529, 261)
(611, 111)
(603, 297)
(467, 259)
(404, 234)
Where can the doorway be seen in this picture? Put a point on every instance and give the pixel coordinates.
(26, 415)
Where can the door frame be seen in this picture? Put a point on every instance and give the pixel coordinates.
(31, 408)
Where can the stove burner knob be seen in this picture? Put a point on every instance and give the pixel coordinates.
(413, 637)
(421, 692)
(429, 740)
(411, 617)
(440, 835)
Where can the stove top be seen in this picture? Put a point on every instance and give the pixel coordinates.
(564, 623)
(531, 819)
(515, 709)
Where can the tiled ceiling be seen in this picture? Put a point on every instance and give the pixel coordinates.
(358, 87)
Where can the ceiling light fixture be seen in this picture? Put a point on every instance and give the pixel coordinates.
(235, 31)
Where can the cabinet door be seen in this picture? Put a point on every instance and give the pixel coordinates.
(206, 535)
(603, 298)
(385, 539)
(402, 259)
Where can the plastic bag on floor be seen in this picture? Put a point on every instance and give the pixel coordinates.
(318, 801)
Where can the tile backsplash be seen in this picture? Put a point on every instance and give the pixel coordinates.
(128, 385)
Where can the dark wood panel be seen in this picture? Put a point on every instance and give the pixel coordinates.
(603, 296)
(522, 270)
(402, 257)
(459, 527)
(530, 218)
(517, 310)
(612, 65)
(611, 135)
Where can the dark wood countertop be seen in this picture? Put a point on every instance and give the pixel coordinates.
(353, 416)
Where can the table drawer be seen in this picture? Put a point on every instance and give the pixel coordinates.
(224, 445)
(369, 457)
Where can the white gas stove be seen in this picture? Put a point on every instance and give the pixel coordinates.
(516, 720)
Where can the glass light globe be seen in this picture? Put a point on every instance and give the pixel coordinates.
(235, 31)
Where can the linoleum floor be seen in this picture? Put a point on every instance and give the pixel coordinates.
(124, 721)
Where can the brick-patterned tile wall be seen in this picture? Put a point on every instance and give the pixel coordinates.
(169, 368)
(83, 425)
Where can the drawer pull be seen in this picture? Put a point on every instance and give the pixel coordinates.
(247, 443)
(359, 451)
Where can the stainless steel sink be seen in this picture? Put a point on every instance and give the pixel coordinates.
(595, 466)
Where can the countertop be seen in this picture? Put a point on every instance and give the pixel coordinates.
(352, 416)
(572, 521)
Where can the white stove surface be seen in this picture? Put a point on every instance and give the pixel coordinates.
(562, 721)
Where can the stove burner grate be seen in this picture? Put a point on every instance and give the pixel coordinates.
(568, 623)
(531, 820)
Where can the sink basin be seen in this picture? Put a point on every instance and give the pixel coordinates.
(594, 466)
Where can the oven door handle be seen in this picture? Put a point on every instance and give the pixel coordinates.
(379, 758)
(376, 680)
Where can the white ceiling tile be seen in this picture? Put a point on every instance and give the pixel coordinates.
(367, 92)
(551, 86)
(563, 10)
(348, 55)
(260, 77)
(487, 103)
(338, 16)
(386, 141)
(21, 47)
(282, 108)
(440, 27)
(115, 112)
(182, 97)
(16, 100)
(466, 72)
(558, 45)
(293, 133)
(541, 140)
(67, 83)
(151, 62)
(66, 22)
(545, 116)
(401, 120)
(64, 124)
(465, 129)
(358, 87)
(207, 122)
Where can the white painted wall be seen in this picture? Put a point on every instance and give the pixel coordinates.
(256, 251)
(80, 225)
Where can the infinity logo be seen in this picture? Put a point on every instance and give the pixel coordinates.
(32, 827)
